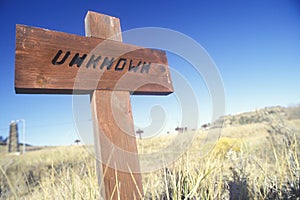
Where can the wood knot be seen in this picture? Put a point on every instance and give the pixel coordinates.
(41, 81)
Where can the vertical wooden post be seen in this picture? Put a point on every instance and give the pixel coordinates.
(117, 184)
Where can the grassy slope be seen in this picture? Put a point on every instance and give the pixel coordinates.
(249, 161)
(46, 173)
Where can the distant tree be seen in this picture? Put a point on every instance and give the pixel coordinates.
(204, 126)
(77, 141)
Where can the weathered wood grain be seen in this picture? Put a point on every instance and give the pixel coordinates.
(40, 66)
(113, 126)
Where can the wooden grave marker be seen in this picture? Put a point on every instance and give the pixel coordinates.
(140, 132)
(48, 62)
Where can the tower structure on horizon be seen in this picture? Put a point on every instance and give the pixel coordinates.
(13, 142)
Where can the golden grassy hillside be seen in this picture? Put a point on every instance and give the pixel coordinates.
(250, 161)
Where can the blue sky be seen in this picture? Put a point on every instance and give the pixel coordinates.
(254, 44)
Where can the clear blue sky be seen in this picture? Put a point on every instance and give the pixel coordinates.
(255, 45)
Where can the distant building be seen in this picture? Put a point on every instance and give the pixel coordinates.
(180, 129)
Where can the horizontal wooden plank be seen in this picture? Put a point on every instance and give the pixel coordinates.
(50, 62)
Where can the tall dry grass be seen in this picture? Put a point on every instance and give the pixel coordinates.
(51, 173)
(258, 161)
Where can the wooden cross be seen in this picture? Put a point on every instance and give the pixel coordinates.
(139, 132)
(48, 62)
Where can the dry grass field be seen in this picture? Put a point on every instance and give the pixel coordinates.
(254, 160)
